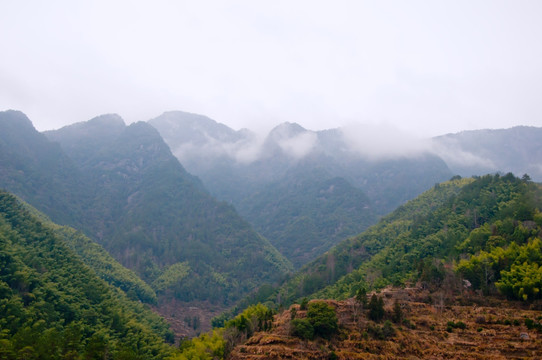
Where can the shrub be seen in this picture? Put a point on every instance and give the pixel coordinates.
(387, 330)
(302, 328)
(460, 325)
(323, 319)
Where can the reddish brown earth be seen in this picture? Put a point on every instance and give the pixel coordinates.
(490, 332)
(180, 316)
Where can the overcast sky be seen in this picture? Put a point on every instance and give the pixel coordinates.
(429, 67)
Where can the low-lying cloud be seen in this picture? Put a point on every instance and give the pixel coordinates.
(299, 145)
(376, 142)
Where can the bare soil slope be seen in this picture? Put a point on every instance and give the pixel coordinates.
(495, 329)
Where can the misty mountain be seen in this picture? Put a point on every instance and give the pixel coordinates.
(38, 170)
(158, 216)
(517, 150)
(122, 186)
(307, 213)
(277, 182)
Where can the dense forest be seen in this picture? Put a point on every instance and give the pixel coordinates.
(425, 239)
(53, 306)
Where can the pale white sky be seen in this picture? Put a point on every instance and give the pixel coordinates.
(429, 67)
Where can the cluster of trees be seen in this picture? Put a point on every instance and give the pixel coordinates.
(321, 320)
(515, 270)
(218, 343)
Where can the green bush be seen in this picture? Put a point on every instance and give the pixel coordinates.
(302, 328)
(387, 330)
(323, 319)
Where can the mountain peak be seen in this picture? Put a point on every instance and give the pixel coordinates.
(15, 119)
(193, 128)
(286, 130)
(107, 120)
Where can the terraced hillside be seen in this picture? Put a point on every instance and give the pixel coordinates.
(473, 328)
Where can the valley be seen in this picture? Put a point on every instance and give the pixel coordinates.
(225, 235)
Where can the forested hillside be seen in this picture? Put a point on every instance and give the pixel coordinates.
(157, 219)
(308, 213)
(492, 224)
(121, 186)
(98, 259)
(38, 170)
(53, 306)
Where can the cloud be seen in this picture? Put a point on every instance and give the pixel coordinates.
(450, 151)
(245, 150)
(300, 145)
(382, 141)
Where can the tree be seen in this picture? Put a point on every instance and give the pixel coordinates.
(323, 319)
(397, 313)
(302, 328)
(376, 308)
(361, 296)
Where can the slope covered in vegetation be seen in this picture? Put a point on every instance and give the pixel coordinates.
(153, 216)
(350, 254)
(53, 306)
(308, 213)
(421, 239)
(121, 186)
(491, 214)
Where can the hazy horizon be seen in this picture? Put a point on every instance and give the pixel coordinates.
(420, 67)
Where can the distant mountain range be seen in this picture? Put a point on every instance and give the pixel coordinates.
(517, 150)
(122, 186)
(284, 183)
(267, 179)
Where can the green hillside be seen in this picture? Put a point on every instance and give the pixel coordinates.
(158, 220)
(99, 260)
(308, 213)
(53, 306)
(491, 220)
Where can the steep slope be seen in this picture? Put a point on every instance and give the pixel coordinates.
(53, 306)
(308, 213)
(262, 177)
(98, 259)
(38, 171)
(517, 150)
(461, 219)
(158, 220)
